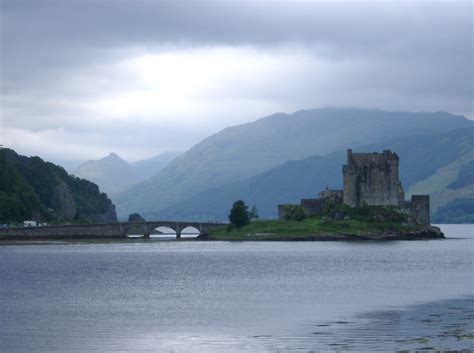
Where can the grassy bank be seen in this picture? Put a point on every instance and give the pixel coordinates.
(313, 227)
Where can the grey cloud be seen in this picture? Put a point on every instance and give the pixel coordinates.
(352, 28)
(393, 55)
(50, 37)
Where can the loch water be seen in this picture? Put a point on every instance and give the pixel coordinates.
(197, 296)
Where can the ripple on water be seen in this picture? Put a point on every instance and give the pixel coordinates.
(445, 325)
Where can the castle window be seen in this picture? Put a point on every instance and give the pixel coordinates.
(364, 174)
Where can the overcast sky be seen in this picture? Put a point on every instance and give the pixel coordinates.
(82, 78)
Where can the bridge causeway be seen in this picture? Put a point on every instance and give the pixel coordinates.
(116, 230)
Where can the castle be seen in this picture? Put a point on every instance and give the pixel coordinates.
(369, 179)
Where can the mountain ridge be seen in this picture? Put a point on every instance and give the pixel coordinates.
(113, 174)
(239, 152)
(294, 180)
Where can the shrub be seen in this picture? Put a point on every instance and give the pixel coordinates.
(295, 213)
(253, 214)
(377, 214)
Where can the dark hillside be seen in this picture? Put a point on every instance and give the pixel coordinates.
(31, 188)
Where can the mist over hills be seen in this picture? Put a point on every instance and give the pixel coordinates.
(241, 152)
(113, 174)
(149, 167)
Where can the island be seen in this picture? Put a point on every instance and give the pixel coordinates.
(371, 206)
(368, 223)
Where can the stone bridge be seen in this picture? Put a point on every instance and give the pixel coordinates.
(117, 230)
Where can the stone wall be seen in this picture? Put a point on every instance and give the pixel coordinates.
(372, 179)
(418, 208)
(313, 206)
(335, 196)
(316, 206)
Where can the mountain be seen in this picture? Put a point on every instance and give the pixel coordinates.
(461, 210)
(421, 157)
(31, 188)
(114, 175)
(239, 152)
(452, 190)
(147, 168)
(111, 173)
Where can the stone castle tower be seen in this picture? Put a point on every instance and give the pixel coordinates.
(369, 179)
(372, 179)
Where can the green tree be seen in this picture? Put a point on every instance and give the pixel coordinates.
(239, 215)
(135, 217)
(295, 213)
(253, 214)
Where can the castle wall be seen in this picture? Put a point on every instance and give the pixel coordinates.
(420, 208)
(282, 211)
(351, 182)
(335, 196)
(313, 206)
(372, 179)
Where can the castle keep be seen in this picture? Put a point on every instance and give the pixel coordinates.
(369, 179)
(372, 179)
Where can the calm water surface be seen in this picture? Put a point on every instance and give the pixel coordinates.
(233, 297)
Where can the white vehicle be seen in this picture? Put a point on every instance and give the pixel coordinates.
(29, 224)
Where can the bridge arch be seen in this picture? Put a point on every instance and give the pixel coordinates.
(163, 232)
(190, 232)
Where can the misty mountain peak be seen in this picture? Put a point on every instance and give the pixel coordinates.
(113, 155)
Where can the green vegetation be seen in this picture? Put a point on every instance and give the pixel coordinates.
(31, 188)
(295, 213)
(464, 178)
(458, 211)
(454, 181)
(18, 200)
(253, 213)
(370, 221)
(135, 217)
(239, 215)
(372, 214)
